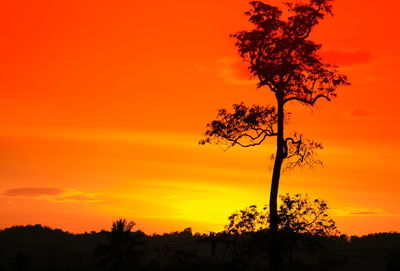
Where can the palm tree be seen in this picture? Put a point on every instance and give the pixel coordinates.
(119, 254)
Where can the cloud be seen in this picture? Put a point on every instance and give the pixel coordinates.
(360, 113)
(359, 211)
(32, 192)
(51, 194)
(365, 213)
(234, 71)
(343, 59)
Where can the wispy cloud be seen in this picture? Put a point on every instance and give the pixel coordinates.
(359, 211)
(344, 59)
(234, 71)
(33, 192)
(51, 194)
(360, 113)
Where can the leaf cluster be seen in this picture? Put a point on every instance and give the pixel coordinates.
(299, 152)
(297, 215)
(245, 126)
(249, 219)
(281, 55)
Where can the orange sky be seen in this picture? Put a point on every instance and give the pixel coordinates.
(102, 107)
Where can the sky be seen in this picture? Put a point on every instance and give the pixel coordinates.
(102, 106)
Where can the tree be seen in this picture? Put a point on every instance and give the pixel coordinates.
(298, 216)
(120, 253)
(249, 219)
(282, 57)
(301, 217)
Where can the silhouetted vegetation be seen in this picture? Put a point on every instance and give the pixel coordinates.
(120, 253)
(281, 55)
(301, 222)
(241, 246)
(299, 235)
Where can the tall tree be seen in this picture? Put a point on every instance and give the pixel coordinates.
(284, 59)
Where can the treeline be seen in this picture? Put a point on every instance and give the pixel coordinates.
(42, 248)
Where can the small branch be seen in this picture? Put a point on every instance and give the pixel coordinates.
(286, 147)
(236, 141)
(310, 102)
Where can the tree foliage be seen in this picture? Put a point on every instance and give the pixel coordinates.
(120, 253)
(249, 219)
(283, 58)
(297, 215)
(245, 126)
(281, 55)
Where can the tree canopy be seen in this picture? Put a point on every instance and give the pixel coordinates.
(297, 215)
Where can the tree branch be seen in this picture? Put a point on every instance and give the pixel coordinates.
(236, 140)
(303, 100)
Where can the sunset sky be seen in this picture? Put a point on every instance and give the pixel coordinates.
(102, 105)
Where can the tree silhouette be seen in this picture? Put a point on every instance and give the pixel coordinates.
(297, 214)
(119, 254)
(301, 217)
(298, 217)
(249, 219)
(282, 57)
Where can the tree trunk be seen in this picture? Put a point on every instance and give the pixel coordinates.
(274, 245)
